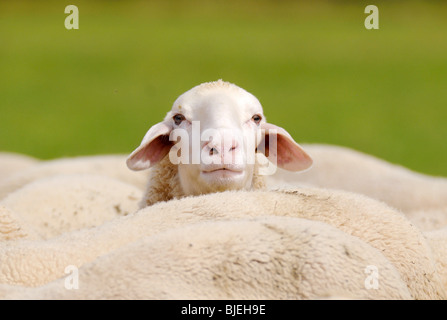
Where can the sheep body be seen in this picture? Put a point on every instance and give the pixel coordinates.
(280, 258)
(429, 220)
(107, 165)
(11, 163)
(64, 203)
(13, 228)
(374, 222)
(438, 241)
(342, 168)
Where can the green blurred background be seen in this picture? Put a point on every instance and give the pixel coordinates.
(315, 68)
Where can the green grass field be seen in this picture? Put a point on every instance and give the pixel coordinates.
(315, 68)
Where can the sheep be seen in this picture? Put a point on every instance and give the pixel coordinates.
(372, 221)
(107, 165)
(63, 203)
(13, 227)
(11, 163)
(9, 227)
(220, 128)
(429, 220)
(280, 258)
(338, 167)
(438, 241)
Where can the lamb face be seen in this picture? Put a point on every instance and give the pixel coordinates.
(212, 134)
(220, 128)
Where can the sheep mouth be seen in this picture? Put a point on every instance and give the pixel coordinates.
(222, 179)
(221, 170)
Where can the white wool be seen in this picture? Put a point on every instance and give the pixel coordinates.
(421, 196)
(59, 204)
(373, 222)
(429, 219)
(438, 241)
(113, 166)
(13, 227)
(280, 258)
(11, 163)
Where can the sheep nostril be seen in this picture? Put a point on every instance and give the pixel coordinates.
(213, 151)
(233, 147)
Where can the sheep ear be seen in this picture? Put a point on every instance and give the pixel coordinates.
(154, 147)
(285, 153)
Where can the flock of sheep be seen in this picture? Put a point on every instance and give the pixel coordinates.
(351, 227)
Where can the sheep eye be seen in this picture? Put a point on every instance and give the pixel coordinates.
(178, 118)
(257, 118)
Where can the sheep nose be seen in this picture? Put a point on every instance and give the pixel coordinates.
(223, 148)
(216, 149)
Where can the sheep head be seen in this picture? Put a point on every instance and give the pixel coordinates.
(213, 134)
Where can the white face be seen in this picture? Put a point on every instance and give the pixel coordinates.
(221, 125)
